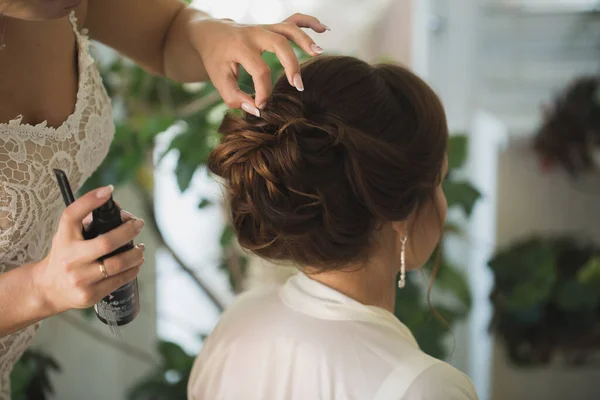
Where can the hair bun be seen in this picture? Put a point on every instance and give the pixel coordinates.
(279, 172)
(310, 179)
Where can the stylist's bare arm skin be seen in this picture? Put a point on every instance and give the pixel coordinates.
(186, 45)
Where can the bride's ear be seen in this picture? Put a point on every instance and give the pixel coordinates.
(400, 227)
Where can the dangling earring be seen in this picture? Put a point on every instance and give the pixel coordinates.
(402, 280)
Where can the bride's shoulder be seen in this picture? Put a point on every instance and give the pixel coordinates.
(250, 305)
(434, 380)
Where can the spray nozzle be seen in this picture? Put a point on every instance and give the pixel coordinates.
(108, 206)
(108, 211)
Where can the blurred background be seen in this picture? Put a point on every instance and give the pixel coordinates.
(520, 279)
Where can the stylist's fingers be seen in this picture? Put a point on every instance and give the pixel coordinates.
(75, 213)
(259, 69)
(112, 283)
(298, 36)
(107, 243)
(282, 48)
(307, 21)
(125, 216)
(234, 97)
(116, 264)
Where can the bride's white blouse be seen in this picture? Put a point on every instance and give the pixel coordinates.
(306, 341)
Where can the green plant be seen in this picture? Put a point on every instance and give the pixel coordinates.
(412, 302)
(547, 299)
(30, 378)
(169, 380)
(569, 135)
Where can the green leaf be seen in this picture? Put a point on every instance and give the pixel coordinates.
(589, 274)
(449, 316)
(30, 378)
(461, 194)
(525, 274)
(21, 376)
(573, 296)
(154, 125)
(457, 151)
(431, 331)
(527, 295)
(227, 236)
(174, 357)
(185, 172)
(168, 382)
(204, 203)
(525, 261)
(449, 278)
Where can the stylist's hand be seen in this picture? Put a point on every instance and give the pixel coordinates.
(70, 276)
(224, 45)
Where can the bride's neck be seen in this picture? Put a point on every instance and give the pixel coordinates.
(373, 284)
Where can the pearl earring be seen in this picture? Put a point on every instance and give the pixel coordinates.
(402, 281)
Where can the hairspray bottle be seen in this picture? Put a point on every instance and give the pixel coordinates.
(123, 305)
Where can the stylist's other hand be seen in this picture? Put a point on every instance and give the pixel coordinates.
(224, 45)
(70, 276)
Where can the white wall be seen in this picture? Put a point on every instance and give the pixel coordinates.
(530, 201)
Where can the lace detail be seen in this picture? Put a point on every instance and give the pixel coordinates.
(30, 202)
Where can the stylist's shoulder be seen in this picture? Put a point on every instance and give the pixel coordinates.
(440, 381)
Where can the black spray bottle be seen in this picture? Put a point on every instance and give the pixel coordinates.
(123, 305)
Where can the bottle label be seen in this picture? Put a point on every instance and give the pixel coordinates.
(120, 304)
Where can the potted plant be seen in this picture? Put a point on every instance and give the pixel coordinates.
(546, 302)
(570, 132)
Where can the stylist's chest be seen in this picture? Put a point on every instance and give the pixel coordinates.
(40, 72)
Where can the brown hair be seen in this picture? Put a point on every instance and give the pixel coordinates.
(310, 180)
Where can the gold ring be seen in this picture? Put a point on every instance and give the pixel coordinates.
(103, 270)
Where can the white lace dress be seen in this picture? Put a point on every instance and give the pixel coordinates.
(30, 202)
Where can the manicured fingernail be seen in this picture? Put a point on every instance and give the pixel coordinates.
(250, 109)
(142, 246)
(316, 48)
(326, 27)
(298, 83)
(105, 191)
(127, 214)
(138, 224)
(262, 106)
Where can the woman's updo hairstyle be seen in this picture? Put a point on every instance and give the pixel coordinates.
(310, 180)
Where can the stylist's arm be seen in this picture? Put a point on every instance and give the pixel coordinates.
(70, 276)
(169, 38)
